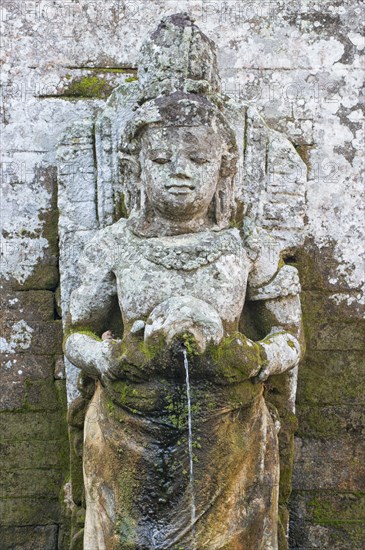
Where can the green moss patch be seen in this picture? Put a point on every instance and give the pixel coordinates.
(330, 508)
(89, 87)
(332, 378)
(331, 422)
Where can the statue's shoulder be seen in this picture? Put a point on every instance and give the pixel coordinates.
(105, 244)
(109, 235)
(118, 230)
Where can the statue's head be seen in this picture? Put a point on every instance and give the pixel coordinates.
(178, 159)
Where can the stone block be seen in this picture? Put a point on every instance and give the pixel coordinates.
(328, 378)
(330, 422)
(33, 367)
(332, 306)
(333, 535)
(28, 383)
(25, 455)
(29, 511)
(32, 537)
(321, 507)
(44, 276)
(60, 387)
(43, 395)
(25, 425)
(319, 268)
(16, 371)
(333, 336)
(336, 536)
(47, 338)
(37, 483)
(38, 338)
(333, 321)
(31, 305)
(13, 393)
(337, 465)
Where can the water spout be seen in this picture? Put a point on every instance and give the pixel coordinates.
(190, 426)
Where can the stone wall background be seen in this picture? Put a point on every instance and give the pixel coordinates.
(299, 63)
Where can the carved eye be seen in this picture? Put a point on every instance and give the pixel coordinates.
(199, 159)
(161, 160)
(160, 156)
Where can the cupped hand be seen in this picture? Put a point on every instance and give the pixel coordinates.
(175, 317)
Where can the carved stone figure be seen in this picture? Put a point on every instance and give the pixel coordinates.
(180, 449)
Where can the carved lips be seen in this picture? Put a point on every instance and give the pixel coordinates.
(180, 188)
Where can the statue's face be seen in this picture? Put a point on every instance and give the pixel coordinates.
(180, 169)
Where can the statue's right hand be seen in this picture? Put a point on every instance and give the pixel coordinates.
(120, 359)
(94, 356)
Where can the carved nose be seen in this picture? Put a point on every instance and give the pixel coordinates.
(180, 169)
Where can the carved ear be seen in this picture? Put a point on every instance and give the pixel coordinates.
(129, 165)
(130, 171)
(228, 165)
(223, 200)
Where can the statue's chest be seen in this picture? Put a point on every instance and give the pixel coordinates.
(211, 268)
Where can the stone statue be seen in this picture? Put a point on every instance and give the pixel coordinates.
(180, 449)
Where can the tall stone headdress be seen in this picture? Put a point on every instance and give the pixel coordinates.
(176, 59)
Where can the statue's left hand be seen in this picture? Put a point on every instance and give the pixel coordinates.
(122, 359)
(237, 358)
(281, 351)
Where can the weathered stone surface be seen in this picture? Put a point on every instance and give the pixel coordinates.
(33, 337)
(298, 63)
(31, 305)
(30, 537)
(333, 321)
(328, 520)
(343, 306)
(18, 370)
(331, 422)
(333, 336)
(44, 276)
(44, 395)
(337, 536)
(29, 511)
(345, 456)
(42, 483)
(33, 367)
(15, 394)
(320, 271)
(35, 425)
(32, 454)
(326, 507)
(332, 378)
(307, 89)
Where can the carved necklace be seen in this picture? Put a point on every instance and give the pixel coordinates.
(188, 253)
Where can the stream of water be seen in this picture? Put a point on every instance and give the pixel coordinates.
(157, 534)
(190, 426)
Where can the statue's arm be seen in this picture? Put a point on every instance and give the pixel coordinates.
(278, 314)
(90, 308)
